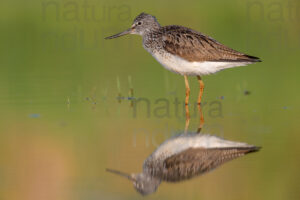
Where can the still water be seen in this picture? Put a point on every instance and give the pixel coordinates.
(60, 150)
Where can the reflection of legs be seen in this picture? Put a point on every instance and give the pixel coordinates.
(187, 90)
(201, 119)
(131, 97)
(187, 118)
(130, 91)
(201, 83)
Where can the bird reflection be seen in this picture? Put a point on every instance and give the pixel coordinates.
(183, 157)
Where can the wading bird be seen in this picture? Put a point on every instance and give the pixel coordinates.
(185, 51)
(184, 157)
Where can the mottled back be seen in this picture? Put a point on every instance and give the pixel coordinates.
(193, 162)
(196, 47)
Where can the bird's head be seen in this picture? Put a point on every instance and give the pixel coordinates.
(141, 25)
(143, 183)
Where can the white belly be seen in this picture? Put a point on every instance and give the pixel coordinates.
(185, 141)
(183, 67)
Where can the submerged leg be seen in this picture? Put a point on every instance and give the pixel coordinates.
(201, 83)
(201, 123)
(187, 90)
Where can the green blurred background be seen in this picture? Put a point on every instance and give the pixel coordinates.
(61, 123)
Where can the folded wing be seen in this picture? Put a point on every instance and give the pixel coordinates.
(193, 162)
(196, 47)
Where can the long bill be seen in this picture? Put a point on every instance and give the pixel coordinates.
(128, 176)
(128, 31)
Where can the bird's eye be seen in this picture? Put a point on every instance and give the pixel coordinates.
(139, 23)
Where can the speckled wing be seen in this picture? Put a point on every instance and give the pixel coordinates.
(196, 47)
(193, 162)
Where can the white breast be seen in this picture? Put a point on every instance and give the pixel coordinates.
(184, 67)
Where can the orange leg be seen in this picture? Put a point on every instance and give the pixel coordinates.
(187, 90)
(187, 118)
(201, 83)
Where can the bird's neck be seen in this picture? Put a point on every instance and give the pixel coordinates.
(154, 28)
